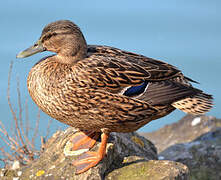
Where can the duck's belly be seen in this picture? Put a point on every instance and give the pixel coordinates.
(80, 111)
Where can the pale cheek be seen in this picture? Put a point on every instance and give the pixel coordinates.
(51, 46)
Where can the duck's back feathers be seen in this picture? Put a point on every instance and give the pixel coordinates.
(147, 79)
(114, 70)
(118, 63)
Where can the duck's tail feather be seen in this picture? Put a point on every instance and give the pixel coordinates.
(199, 103)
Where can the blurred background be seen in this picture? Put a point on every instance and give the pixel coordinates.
(186, 34)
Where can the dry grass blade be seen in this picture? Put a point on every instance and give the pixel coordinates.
(48, 129)
(36, 127)
(7, 139)
(8, 155)
(27, 126)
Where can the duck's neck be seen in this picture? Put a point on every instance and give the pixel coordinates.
(69, 59)
(72, 53)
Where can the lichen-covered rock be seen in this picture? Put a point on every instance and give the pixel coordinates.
(186, 130)
(202, 156)
(55, 164)
(151, 170)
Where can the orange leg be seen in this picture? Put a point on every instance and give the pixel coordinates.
(84, 140)
(91, 159)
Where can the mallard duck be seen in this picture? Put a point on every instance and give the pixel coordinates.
(101, 89)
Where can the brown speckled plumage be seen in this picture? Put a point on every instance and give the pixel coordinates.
(86, 86)
(82, 85)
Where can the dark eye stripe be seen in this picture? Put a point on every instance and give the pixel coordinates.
(49, 35)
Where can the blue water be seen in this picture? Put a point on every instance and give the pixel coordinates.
(186, 34)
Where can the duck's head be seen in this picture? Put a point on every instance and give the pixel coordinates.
(62, 37)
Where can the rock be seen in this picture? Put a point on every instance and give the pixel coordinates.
(193, 141)
(55, 164)
(151, 170)
(202, 156)
(129, 156)
(186, 130)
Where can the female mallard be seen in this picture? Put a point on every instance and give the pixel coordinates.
(101, 89)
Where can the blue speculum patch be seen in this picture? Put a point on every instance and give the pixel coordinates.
(136, 90)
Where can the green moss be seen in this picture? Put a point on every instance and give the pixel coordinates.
(131, 172)
(150, 170)
(137, 140)
(9, 173)
(218, 122)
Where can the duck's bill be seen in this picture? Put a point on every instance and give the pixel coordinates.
(31, 50)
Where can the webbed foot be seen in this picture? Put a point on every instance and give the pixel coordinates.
(90, 159)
